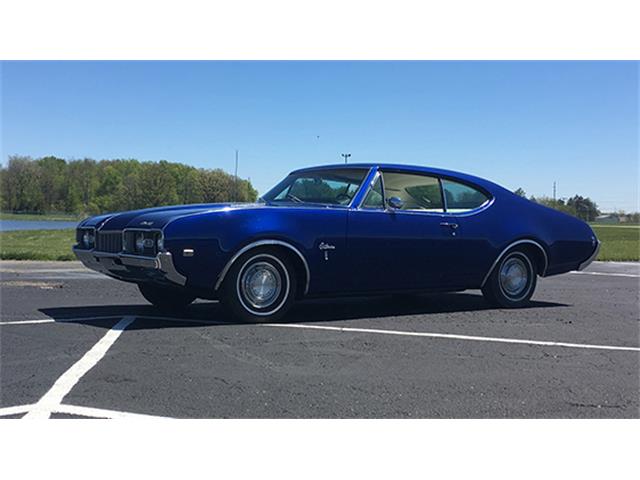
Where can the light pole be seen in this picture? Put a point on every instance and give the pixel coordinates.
(345, 156)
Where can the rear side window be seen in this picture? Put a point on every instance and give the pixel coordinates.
(462, 198)
(417, 192)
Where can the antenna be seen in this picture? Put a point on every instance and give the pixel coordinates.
(554, 191)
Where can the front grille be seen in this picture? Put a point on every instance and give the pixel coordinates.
(110, 242)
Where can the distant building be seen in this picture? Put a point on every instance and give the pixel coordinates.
(607, 218)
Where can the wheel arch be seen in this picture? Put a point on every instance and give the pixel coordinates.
(534, 247)
(300, 262)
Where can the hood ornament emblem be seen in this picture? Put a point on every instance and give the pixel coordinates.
(147, 223)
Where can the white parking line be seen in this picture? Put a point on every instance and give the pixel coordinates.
(15, 410)
(52, 400)
(78, 410)
(28, 271)
(451, 336)
(101, 413)
(106, 317)
(57, 320)
(607, 274)
(28, 322)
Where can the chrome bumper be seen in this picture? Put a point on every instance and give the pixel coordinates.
(593, 256)
(113, 264)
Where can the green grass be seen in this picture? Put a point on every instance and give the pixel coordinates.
(67, 217)
(619, 243)
(37, 245)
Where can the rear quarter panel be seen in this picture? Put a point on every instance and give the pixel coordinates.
(566, 239)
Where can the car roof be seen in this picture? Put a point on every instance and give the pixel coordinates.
(464, 177)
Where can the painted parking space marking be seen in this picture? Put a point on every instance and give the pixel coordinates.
(32, 321)
(46, 270)
(101, 413)
(52, 400)
(450, 336)
(629, 275)
(15, 410)
(81, 411)
(28, 322)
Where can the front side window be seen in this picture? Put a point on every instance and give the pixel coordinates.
(462, 198)
(330, 187)
(416, 192)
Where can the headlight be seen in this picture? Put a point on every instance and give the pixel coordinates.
(160, 243)
(88, 239)
(140, 242)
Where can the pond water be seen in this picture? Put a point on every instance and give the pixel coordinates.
(11, 225)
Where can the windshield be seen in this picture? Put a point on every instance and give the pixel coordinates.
(329, 187)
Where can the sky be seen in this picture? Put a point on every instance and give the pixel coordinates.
(519, 124)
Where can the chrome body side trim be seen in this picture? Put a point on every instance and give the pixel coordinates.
(509, 247)
(593, 256)
(260, 243)
(110, 263)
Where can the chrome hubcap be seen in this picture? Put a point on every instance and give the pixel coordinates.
(261, 284)
(513, 276)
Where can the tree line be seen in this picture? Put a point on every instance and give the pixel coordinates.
(87, 186)
(582, 207)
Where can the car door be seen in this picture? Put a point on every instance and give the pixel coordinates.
(403, 247)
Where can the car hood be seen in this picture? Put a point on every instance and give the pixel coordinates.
(157, 217)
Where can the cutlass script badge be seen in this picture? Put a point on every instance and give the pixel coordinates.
(325, 247)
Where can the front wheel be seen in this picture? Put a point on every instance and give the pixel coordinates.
(260, 286)
(512, 282)
(165, 298)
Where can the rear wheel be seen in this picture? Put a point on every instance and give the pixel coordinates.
(260, 286)
(165, 298)
(512, 282)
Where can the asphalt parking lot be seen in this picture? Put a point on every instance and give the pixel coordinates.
(74, 344)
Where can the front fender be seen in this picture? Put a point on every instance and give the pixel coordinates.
(216, 237)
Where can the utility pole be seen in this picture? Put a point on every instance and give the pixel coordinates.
(345, 156)
(554, 191)
(235, 180)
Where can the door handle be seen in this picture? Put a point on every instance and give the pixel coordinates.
(453, 226)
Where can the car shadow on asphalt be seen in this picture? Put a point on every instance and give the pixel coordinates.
(314, 310)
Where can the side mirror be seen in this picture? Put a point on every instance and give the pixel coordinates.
(395, 203)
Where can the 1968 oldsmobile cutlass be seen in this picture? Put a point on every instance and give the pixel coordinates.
(340, 230)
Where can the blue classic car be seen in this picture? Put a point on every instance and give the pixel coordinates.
(358, 229)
